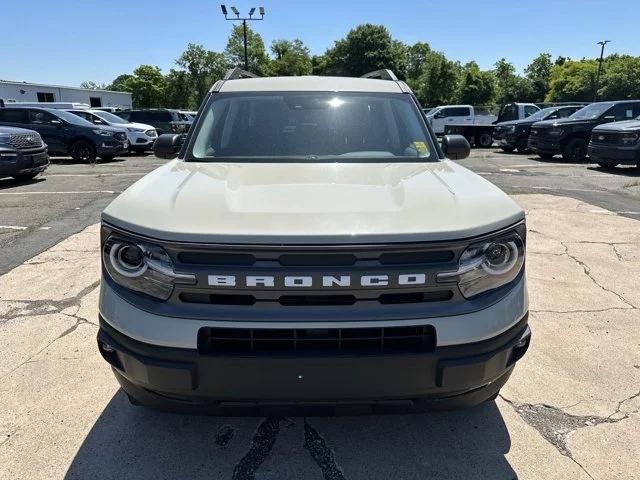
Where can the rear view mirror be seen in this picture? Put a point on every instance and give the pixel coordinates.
(168, 145)
(455, 147)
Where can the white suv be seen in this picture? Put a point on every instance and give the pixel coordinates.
(141, 137)
(312, 244)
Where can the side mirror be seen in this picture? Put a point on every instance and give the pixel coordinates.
(167, 146)
(56, 123)
(455, 147)
(99, 122)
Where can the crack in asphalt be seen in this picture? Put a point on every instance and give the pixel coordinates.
(317, 447)
(262, 443)
(555, 425)
(45, 307)
(587, 272)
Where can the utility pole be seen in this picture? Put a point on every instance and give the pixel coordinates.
(595, 94)
(244, 25)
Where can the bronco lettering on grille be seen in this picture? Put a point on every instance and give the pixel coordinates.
(319, 281)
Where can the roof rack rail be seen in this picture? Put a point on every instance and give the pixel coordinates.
(236, 73)
(384, 74)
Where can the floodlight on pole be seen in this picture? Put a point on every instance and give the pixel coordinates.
(244, 25)
(602, 43)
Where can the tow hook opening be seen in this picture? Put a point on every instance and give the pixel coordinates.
(521, 346)
(109, 353)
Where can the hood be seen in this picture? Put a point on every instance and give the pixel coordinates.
(141, 126)
(14, 130)
(312, 203)
(510, 123)
(562, 121)
(620, 126)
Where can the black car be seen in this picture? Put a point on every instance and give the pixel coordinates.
(570, 136)
(515, 134)
(164, 120)
(23, 154)
(67, 134)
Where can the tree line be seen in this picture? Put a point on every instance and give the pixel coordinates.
(434, 78)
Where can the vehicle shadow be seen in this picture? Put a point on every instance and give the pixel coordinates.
(71, 161)
(6, 183)
(131, 442)
(625, 171)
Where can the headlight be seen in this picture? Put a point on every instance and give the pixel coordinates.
(629, 138)
(555, 132)
(142, 267)
(103, 133)
(488, 265)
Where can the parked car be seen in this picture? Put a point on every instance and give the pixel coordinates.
(514, 134)
(164, 120)
(188, 115)
(616, 144)
(570, 136)
(68, 134)
(23, 154)
(141, 136)
(460, 114)
(312, 244)
(481, 134)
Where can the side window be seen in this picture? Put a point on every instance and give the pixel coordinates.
(458, 112)
(45, 97)
(13, 116)
(37, 117)
(565, 112)
(85, 115)
(529, 110)
(622, 111)
(125, 115)
(137, 117)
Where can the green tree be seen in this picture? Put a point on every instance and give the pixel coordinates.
(511, 87)
(620, 79)
(178, 92)
(120, 83)
(291, 57)
(538, 72)
(365, 48)
(572, 81)
(147, 84)
(438, 80)
(416, 56)
(203, 67)
(92, 85)
(475, 87)
(256, 54)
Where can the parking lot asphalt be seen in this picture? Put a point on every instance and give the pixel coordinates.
(570, 411)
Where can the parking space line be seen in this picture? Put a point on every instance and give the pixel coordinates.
(94, 175)
(12, 227)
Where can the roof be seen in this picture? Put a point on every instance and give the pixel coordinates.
(11, 82)
(310, 84)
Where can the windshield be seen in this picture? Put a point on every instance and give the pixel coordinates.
(592, 111)
(109, 117)
(542, 114)
(312, 126)
(70, 117)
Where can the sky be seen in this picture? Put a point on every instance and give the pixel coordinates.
(66, 42)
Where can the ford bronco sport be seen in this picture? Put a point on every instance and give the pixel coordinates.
(312, 244)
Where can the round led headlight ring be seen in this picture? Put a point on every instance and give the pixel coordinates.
(128, 259)
(500, 257)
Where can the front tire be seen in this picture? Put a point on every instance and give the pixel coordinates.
(522, 145)
(83, 151)
(575, 150)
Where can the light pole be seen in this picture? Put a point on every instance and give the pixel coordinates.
(244, 25)
(603, 43)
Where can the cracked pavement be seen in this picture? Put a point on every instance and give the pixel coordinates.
(570, 410)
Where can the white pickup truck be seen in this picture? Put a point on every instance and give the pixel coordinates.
(459, 114)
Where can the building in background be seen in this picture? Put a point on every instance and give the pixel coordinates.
(35, 92)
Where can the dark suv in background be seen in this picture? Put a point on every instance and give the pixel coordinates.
(570, 136)
(164, 120)
(67, 134)
(23, 154)
(514, 134)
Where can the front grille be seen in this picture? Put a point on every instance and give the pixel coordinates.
(613, 138)
(25, 141)
(300, 341)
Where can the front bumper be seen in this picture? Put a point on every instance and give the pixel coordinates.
(17, 162)
(620, 155)
(544, 145)
(111, 147)
(140, 141)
